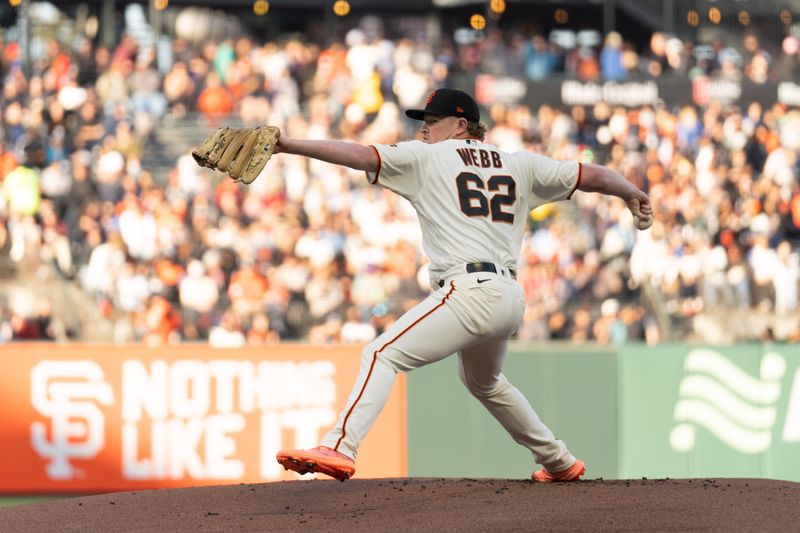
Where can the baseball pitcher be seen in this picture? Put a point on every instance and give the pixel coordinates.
(473, 201)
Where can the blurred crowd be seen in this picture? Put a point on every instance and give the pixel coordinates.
(310, 252)
(587, 55)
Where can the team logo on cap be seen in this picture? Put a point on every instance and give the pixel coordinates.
(458, 109)
(430, 98)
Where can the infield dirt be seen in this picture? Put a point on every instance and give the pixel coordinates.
(420, 504)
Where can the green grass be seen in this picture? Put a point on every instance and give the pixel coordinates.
(8, 501)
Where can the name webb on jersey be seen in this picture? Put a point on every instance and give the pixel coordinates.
(472, 198)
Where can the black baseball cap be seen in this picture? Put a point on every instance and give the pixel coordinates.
(448, 103)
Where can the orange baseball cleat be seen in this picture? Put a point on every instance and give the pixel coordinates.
(572, 473)
(321, 459)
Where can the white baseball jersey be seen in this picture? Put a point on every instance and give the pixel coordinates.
(472, 199)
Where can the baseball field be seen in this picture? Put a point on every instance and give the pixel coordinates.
(599, 198)
(428, 504)
(435, 461)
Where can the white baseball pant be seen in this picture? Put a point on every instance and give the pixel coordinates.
(472, 315)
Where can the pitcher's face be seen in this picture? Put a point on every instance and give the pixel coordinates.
(437, 128)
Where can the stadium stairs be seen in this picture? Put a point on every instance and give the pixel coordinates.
(74, 314)
(8, 269)
(176, 137)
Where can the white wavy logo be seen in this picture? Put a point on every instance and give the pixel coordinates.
(734, 406)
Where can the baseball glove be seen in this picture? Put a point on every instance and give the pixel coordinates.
(241, 153)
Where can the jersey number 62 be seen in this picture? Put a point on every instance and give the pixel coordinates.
(474, 202)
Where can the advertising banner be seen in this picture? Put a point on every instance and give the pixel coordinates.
(667, 90)
(677, 411)
(730, 411)
(90, 418)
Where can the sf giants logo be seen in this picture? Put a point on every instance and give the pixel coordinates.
(67, 392)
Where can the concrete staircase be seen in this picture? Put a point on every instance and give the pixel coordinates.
(8, 269)
(175, 137)
(74, 316)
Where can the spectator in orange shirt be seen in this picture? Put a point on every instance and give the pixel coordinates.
(8, 161)
(161, 322)
(247, 290)
(214, 100)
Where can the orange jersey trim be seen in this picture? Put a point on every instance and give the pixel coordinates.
(380, 162)
(577, 181)
(375, 359)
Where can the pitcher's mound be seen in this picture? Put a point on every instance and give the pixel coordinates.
(421, 504)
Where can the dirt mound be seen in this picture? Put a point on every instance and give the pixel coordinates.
(421, 504)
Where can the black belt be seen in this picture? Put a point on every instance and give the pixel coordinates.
(482, 267)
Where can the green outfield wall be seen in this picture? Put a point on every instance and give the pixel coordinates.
(710, 412)
(637, 411)
(573, 389)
